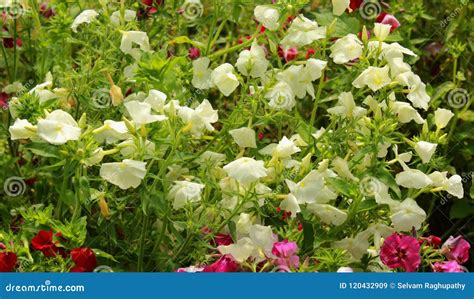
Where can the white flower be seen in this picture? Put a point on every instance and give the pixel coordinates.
(407, 215)
(244, 137)
(240, 251)
(311, 189)
(442, 117)
(356, 247)
(341, 167)
(413, 178)
(86, 16)
(252, 62)
(298, 79)
(128, 148)
(263, 239)
(374, 77)
(125, 174)
(183, 192)
(140, 113)
(453, 185)
(111, 132)
(281, 96)
(381, 31)
(303, 31)
(201, 73)
(346, 49)
(285, 148)
(156, 99)
(417, 89)
(290, 204)
(246, 170)
(347, 107)
(425, 150)
(267, 16)
(199, 118)
(339, 6)
(314, 68)
(406, 113)
(58, 128)
(328, 213)
(21, 129)
(129, 38)
(95, 158)
(224, 78)
(129, 15)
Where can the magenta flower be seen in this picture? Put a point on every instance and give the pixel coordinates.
(401, 251)
(194, 53)
(225, 263)
(286, 254)
(449, 266)
(456, 249)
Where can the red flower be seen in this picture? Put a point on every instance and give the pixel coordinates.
(401, 251)
(8, 42)
(355, 4)
(456, 249)
(4, 100)
(431, 240)
(7, 261)
(84, 258)
(43, 242)
(223, 239)
(389, 19)
(310, 53)
(224, 264)
(194, 53)
(46, 11)
(450, 266)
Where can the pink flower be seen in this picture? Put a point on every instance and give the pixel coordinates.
(401, 251)
(456, 249)
(389, 19)
(225, 263)
(286, 254)
(194, 53)
(449, 266)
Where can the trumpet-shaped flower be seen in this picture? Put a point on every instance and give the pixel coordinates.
(290, 204)
(58, 128)
(453, 185)
(156, 99)
(302, 32)
(346, 49)
(347, 107)
(373, 77)
(201, 73)
(268, 16)
(141, 113)
(252, 62)
(125, 174)
(442, 117)
(425, 150)
(111, 132)
(311, 189)
(413, 178)
(406, 113)
(417, 89)
(339, 6)
(86, 16)
(21, 129)
(407, 215)
(381, 31)
(244, 137)
(246, 170)
(199, 118)
(184, 192)
(328, 213)
(129, 38)
(224, 78)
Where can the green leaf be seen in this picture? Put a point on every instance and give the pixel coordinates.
(103, 254)
(43, 150)
(341, 186)
(461, 209)
(367, 205)
(186, 40)
(385, 177)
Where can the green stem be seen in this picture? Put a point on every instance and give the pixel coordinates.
(316, 102)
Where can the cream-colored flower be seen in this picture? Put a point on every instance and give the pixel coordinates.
(140, 112)
(22, 129)
(407, 215)
(303, 31)
(425, 150)
(86, 16)
(339, 6)
(201, 73)
(111, 132)
(224, 78)
(453, 185)
(381, 31)
(184, 192)
(199, 119)
(129, 15)
(268, 16)
(373, 77)
(244, 137)
(347, 107)
(58, 127)
(125, 174)
(311, 189)
(129, 38)
(328, 213)
(252, 62)
(281, 96)
(442, 117)
(413, 178)
(290, 204)
(246, 170)
(346, 49)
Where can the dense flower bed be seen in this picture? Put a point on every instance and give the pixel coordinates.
(279, 136)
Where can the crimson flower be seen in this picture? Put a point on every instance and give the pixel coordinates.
(43, 242)
(456, 249)
(84, 258)
(225, 263)
(431, 240)
(4, 100)
(223, 239)
(401, 251)
(194, 53)
(355, 4)
(7, 261)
